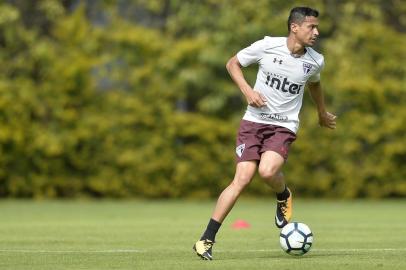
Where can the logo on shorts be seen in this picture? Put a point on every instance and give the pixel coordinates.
(284, 150)
(240, 149)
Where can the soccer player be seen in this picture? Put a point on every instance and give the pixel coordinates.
(268, 128)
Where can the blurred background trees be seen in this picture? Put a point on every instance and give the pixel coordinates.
(131, 98)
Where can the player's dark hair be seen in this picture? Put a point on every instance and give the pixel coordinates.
(298, 15)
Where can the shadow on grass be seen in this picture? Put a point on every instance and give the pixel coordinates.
(262, 255)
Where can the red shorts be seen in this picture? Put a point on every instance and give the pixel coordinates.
(255, 138)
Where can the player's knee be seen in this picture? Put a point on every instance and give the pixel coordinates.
(241, 181)
(267, 172)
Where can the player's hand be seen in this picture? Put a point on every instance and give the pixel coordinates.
(328, 120)
(256, 99)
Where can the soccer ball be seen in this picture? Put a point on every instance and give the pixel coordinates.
(296, 238)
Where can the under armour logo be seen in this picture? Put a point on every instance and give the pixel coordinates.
(277, 60)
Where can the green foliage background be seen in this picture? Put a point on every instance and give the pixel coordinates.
(131, 98)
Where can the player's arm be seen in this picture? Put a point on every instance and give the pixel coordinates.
(326, 119)
(234, 69)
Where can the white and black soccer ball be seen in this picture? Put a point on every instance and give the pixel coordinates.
(296, 238)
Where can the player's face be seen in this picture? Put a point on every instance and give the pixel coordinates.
(307, 32)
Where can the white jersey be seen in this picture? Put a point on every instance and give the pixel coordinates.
(281, 79)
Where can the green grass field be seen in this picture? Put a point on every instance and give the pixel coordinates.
(160, 234)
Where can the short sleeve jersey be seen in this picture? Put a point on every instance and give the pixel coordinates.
(281, 79)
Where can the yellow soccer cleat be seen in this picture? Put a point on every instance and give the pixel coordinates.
(203, 249)
(283, 211)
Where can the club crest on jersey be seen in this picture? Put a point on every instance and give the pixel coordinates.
(240, 149)
(306, 68)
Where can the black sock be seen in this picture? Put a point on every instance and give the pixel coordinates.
(283, 195)
(211, 230)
